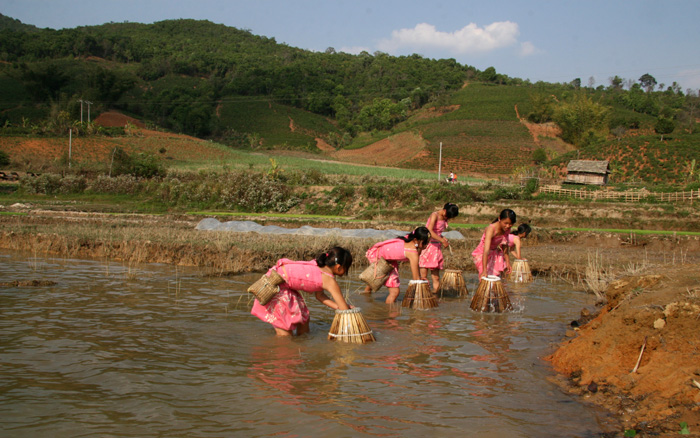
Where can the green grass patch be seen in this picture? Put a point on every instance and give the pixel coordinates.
(628, 231)
(271, 122)
(260, 161)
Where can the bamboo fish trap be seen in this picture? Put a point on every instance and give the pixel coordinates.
(490, 296)
(267, 287)
(521, 272)
(376, 273)
(350, 326)
(453, 284)
(418, 296)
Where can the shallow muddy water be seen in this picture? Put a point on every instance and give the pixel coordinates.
(155, 350)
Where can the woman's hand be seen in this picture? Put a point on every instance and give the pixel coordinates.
(445, 243)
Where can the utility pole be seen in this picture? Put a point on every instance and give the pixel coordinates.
(440, 162)
(70, 145)
(88, 104)
(81, 110)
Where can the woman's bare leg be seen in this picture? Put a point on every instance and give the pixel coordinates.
(435, 273)
(303, 327)
(393, 295)
(283, 332)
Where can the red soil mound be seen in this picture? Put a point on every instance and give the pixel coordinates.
(112, 119)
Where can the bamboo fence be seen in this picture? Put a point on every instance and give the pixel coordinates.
(627, 196)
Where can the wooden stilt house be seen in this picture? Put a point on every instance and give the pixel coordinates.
(587, 172)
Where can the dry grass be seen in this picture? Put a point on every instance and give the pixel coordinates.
(134, 239)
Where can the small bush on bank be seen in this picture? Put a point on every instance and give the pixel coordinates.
(140, 165)
(506, 192)
(52, 184)
(118, 185)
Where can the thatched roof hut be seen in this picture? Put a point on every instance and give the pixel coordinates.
(587, 172)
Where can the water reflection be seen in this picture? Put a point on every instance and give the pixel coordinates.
(157, 350)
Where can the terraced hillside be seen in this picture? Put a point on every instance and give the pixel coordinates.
(482, 134)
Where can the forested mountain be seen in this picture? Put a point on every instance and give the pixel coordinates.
(176, 72)
(14, 24)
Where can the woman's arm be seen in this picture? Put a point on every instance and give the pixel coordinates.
(413, 259)
(432, 220)
(516, 253)
(487, 250)
(338, 302)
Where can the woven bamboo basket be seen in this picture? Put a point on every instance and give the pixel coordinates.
(267, 287)
(521, 272)
(418, 296)
(376, 273)
(453, 284)
(350, 326)
(491, 296)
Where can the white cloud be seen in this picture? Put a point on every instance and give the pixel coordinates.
(468, 40)
(527, 49)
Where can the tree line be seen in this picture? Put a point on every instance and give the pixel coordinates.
(139, 68)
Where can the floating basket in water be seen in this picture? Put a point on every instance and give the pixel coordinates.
(453, 284)
(376, 273)
(521, 272)
(418, 296)
(490, 296)
(350, 326)
(267, 287)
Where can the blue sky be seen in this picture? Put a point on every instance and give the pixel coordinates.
(548, 40)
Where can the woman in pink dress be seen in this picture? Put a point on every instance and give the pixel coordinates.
(431, 258)
(401, 249)
(287, 310)
(495, 259)
(514, 240)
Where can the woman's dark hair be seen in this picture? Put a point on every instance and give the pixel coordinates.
(335, 256)
(506, 213)
(523, 228)
(451, 210)
(420, 233)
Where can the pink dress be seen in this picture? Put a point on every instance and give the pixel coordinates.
(495, 263)
(393, 251)
(431, 257)
(287, 309)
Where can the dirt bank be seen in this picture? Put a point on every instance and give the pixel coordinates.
(640, 356)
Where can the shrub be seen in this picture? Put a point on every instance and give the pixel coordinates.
(531, 185)
(52, 184)
(141, 165)
(4, 158)
(506, 193)
(119, 185)
(539, 156)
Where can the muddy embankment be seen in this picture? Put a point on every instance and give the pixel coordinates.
(173, 239)
(637, 354)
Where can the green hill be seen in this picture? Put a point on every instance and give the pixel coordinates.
(482, 135)
(250, 92)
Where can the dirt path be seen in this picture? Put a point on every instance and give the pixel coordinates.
(388, 152)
